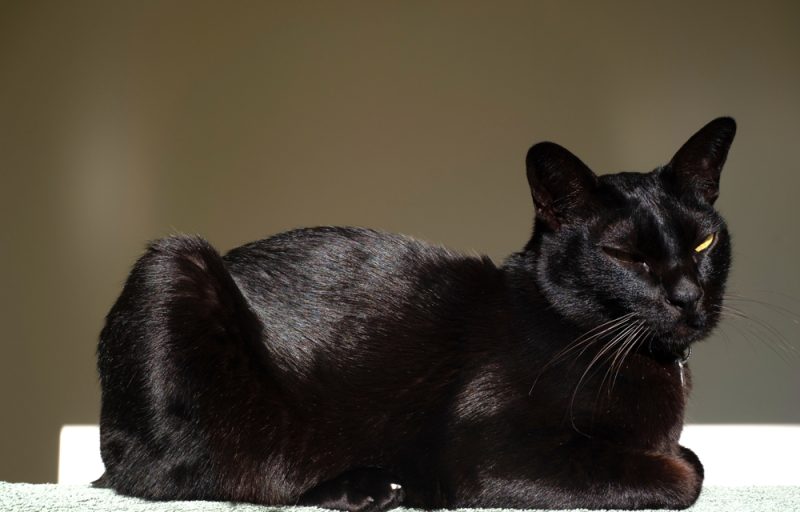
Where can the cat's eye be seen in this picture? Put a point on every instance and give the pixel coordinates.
(626, 257)
(705, 244)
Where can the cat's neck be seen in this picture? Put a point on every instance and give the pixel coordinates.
(531, 309)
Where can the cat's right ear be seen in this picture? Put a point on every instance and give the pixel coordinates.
(560, 183)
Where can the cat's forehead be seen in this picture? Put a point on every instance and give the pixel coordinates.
(633, 186)
(639, 202)
(631, 192)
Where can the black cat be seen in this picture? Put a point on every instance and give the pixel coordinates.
(358, 370)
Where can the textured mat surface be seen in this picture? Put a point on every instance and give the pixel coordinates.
(69, 498)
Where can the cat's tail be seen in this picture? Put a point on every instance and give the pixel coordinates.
(180, 358)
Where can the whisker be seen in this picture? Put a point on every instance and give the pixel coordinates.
(769, 335)
(620, 339)
(637, 339)
(749, 333)
(585, 340)
(772, 292)
(617, 353)
(617, 340)
(792, 315)
(582, 339)
(769, 329)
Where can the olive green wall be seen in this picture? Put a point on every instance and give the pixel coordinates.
(125, 121)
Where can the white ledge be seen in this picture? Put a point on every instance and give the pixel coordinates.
(732, 455)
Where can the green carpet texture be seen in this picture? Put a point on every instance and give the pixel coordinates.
(69, 498)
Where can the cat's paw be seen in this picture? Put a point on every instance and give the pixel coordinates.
(690, 457)
(686, 473)
(374, 496)
(360, 490)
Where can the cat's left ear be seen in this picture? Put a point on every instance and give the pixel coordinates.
(697, 166)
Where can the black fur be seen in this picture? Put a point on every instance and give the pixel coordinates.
(359, 370)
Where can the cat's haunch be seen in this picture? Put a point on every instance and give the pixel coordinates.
(359, 370)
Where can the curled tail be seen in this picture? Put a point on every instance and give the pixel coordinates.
(180, 360)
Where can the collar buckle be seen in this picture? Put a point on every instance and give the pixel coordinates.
(681, 360)
(684, 355)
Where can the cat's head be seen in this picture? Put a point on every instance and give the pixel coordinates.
(649, 247)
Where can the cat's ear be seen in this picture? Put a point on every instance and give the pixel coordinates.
(697, 166)
(560, 183)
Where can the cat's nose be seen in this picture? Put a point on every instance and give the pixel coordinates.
(684, 294)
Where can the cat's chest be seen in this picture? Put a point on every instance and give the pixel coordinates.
(645, 401)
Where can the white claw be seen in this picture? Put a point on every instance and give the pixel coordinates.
(395, 486)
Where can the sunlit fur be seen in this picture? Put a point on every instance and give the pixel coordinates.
(353, 369)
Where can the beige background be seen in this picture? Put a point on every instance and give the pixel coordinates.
(126, 121)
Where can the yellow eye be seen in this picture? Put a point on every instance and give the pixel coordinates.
(705, 243)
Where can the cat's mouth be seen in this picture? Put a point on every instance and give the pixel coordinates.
(684, 330)
(676, 330)
(687, 332)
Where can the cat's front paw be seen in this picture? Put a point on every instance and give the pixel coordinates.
(360, 490)
(687, 473)
(690, 457)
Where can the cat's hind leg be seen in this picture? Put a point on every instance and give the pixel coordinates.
(189, 407)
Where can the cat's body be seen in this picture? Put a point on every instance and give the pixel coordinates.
(360, 370)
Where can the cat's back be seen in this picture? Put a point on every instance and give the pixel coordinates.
(328, 253)
(348, 261)
(343, 286)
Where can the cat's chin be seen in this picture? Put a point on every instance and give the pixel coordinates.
(677, 340)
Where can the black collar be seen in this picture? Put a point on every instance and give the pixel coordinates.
(669, 357)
